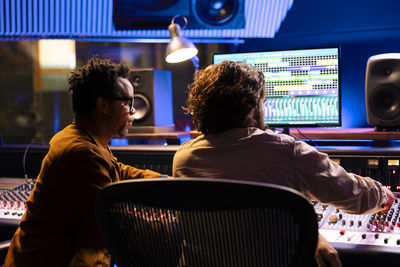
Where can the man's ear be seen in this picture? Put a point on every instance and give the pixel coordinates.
(253, 116)
(253, 113)
(102, 105)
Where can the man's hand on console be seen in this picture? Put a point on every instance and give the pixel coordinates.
(326, 255)
(389, 201)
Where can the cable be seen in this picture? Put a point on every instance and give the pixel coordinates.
(24, 160)
(306, 137)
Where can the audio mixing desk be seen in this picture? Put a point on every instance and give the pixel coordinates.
(13, 195)
(346, 230)
(371, 236)
(362, 240)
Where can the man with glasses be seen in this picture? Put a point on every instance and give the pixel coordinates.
(58, 227)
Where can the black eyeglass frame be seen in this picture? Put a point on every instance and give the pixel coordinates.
(131, 108)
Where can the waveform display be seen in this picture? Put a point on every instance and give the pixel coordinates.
(298, 110)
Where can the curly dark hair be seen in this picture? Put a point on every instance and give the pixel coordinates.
(223, 95)
(97, 78)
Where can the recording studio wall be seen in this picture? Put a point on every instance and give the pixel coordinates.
(18, 117)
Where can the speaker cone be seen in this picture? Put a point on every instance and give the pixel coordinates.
(216, 12)
(142, 107)
(384, 102)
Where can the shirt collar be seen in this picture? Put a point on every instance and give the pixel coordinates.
(232, 134)
(86, 125)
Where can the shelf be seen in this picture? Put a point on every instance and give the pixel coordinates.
(172, 138)
(344, 134)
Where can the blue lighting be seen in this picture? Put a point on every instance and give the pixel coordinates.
(119, 142)
(56, 110)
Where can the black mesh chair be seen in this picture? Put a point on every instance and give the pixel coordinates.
(206, 222)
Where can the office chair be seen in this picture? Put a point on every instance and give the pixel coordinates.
(206, 222)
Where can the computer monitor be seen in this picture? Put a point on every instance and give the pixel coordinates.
(302, 85)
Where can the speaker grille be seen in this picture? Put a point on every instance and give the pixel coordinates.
(384, 102)
(217, 12)
(142, 106)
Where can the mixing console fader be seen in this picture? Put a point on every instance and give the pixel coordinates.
(347, 230)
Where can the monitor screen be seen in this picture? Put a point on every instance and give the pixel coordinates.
(302, 86)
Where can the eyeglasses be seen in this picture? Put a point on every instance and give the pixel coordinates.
(129, 99)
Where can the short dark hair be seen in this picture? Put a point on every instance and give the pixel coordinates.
(223, 95)
(97, 78)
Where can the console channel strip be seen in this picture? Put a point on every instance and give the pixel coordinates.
(13, 195)
(344, 229)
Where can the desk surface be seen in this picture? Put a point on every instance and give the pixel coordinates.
(344, 133)
(337, 133)
(160, 135)
(172, 138)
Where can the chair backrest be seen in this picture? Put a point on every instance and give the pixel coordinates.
(206, 222)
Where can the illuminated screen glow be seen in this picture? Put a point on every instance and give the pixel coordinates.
(302, 86)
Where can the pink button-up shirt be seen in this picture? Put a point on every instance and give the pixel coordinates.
(263, 156)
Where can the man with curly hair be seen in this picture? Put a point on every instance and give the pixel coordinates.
(59, 227)
(226, 102)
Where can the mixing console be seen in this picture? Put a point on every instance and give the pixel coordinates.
(349, 233)
(341, 228)
(13, 194)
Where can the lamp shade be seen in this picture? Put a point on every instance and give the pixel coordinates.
(179, 49)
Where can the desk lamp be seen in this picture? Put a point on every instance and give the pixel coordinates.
(180, 49)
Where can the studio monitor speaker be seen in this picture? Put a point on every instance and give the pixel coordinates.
(152, 100)
(157, 14)
(382, 91)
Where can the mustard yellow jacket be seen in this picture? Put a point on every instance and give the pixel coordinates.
(59, 222)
